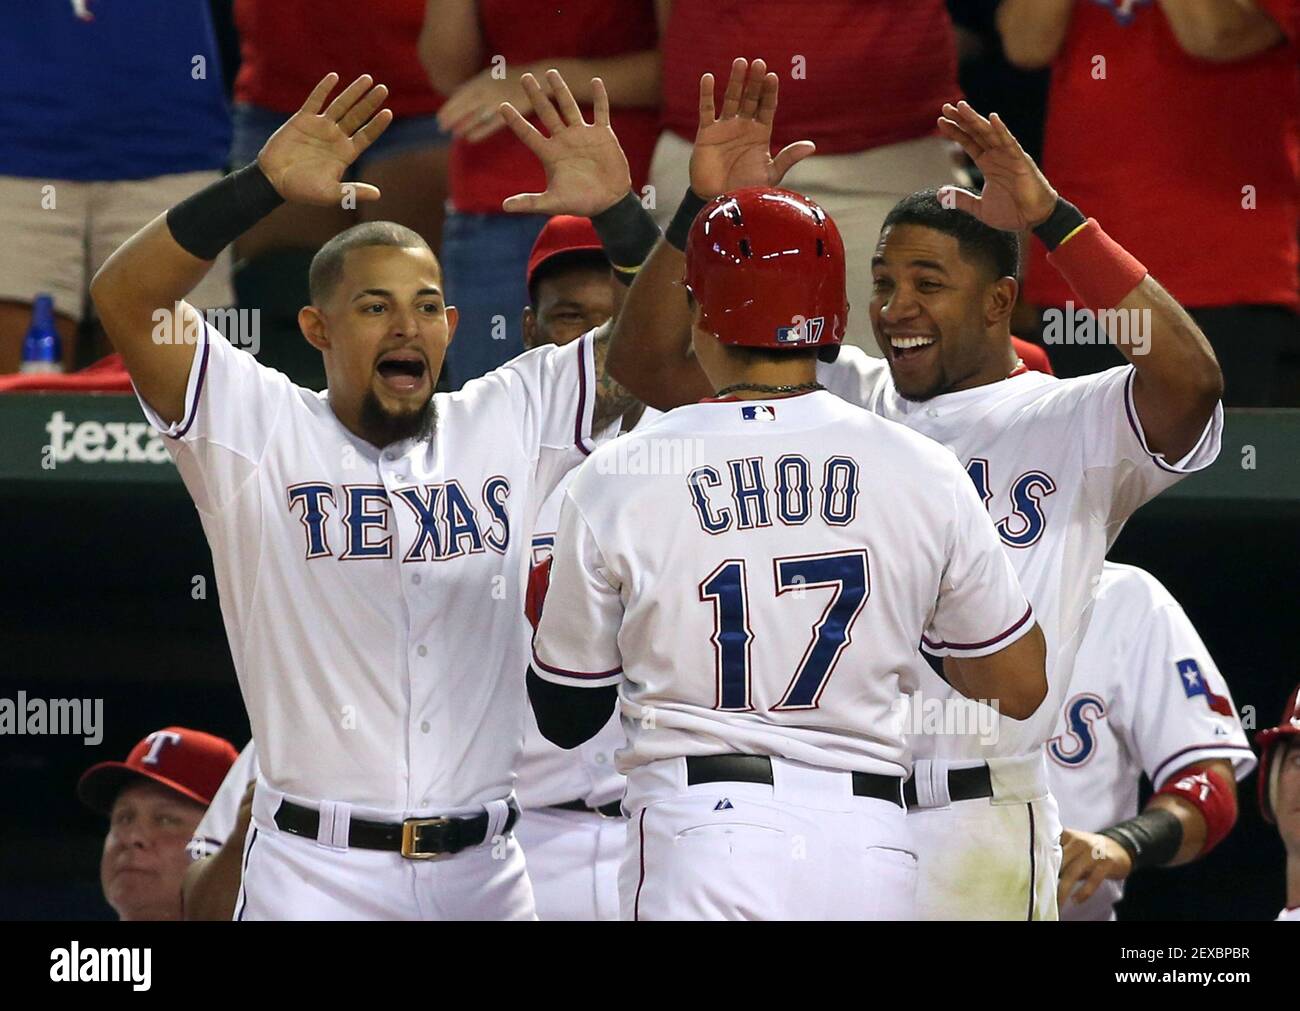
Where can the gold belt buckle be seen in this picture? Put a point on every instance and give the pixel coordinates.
(410, 828)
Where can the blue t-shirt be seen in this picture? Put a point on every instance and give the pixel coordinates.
(121, 97)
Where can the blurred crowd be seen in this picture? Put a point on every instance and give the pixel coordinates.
(1176, 123)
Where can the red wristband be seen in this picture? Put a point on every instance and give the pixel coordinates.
(1206, 790)
(1099, 270)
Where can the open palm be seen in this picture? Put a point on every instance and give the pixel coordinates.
(305, 159)
(586, 170)
(1016, 195)
(733, 150)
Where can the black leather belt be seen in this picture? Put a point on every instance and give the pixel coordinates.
(758, 769)
(614, 809)
(415, 838)
(963, 784)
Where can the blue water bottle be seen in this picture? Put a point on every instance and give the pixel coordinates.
(42, 348)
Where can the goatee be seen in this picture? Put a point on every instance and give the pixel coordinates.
(383, 427)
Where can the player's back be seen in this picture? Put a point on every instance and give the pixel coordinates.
(778, 563)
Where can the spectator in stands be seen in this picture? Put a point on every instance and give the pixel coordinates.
(105, 122)
(1176, 123)
(475, 52)
(153, 801)
(283, 45)
(871, 151)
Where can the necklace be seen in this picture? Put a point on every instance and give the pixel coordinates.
(764, 388)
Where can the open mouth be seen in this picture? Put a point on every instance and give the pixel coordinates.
(909, 347)
(402, 371)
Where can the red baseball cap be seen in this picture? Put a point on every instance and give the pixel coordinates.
(564, 233)
(188, 761)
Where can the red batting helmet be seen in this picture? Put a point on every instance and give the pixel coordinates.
(767, 268)
(1271, 742)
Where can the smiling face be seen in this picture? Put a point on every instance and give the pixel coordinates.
(941, 320)
(383, 329)
(145, 855)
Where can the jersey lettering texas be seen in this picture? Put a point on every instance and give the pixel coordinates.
(1025, 524)
(448, 523)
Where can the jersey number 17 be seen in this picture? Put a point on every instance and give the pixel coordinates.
(727, 589)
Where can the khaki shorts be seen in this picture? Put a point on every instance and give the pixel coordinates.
(857, 190)
(55, 233)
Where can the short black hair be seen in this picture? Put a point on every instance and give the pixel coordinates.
(996, 249)
(327, 265)
(573, 259)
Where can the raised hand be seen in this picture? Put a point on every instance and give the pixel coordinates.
(733, 150)
(305, 159)
(1016, 195)
(472, 110)
(586, 171)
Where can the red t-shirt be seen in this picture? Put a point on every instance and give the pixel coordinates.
(1160, 150)
(854, 74)
(287, 46)
(524, 31)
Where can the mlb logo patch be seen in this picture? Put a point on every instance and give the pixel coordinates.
(805, 331)
(758, 412)
(1194, 684)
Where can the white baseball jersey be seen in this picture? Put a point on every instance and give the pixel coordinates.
(1061, 464)
(763, 590)
(1291, 913)
(372, 598)
(549, 774)
(219, 819)
(1145, 697)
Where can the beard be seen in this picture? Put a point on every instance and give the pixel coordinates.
(939, 386)
(384, 427)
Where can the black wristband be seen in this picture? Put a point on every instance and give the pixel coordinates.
(1064, 219)
(628, 233)
(680, 226)
(1152, 838)
(208, 221)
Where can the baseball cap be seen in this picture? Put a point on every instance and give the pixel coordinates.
(187, 761)
(564, 233)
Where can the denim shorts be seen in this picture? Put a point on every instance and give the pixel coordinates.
(253, 126)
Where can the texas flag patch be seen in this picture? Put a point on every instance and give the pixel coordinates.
(1194, 684)
(758, 412)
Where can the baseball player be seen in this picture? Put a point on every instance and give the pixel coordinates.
(573, 830)
(370, 542)
(758, 610)
(153, 801)
(212, 881)
(1060, 465)
(1146, 697)
(1279, 793)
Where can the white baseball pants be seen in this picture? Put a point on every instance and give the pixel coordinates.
(288, 877)
(995, 858)
(573, 859)
(803, 848)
